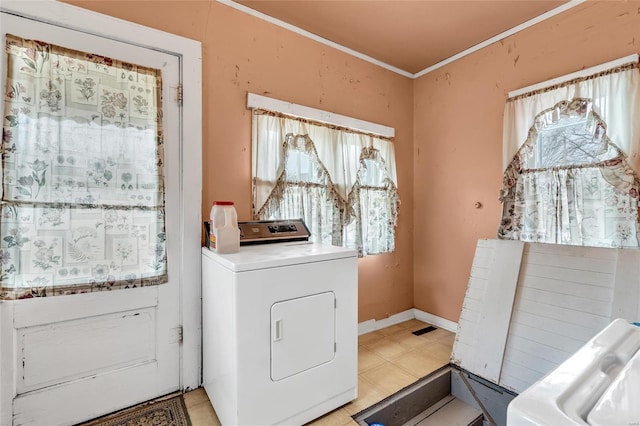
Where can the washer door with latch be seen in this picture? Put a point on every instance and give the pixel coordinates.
(302, 334)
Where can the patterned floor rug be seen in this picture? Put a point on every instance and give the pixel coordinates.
(163, 412)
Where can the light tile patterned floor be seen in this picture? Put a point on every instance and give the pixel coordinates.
(388, 360)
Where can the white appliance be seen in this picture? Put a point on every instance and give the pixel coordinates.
(279, 332)
(598, 385)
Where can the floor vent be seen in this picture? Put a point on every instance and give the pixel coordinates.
(424, 330)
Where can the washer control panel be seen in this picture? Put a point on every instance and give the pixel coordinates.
(266, 231)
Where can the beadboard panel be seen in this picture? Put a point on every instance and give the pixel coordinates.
(485, 325)
(564, 297)
(544, 302)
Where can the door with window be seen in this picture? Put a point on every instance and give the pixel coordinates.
(89, 224)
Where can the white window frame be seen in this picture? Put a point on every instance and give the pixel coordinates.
(263, 102)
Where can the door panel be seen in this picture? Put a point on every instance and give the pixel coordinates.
(84, 347)
(302, 334)
(77, 357)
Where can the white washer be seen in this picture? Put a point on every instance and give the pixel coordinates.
(279, 332)
(599, 385)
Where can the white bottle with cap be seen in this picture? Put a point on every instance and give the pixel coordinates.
(225, 235)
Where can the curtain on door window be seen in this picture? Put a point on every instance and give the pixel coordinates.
(573, 152)
(342, 183)
(82, 197)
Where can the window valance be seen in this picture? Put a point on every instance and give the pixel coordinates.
(615, 97)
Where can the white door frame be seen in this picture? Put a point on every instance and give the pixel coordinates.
(190, 54)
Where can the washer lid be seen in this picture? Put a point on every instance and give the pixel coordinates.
(599, 383)
(620, 404)
(278, 254)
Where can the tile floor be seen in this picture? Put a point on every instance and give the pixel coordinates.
(388, 360)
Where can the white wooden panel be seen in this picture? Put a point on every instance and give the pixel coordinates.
(474, 305)
(7, 370)
(578, 304)
(480, 272)
(580, 276)
(568, 316)
(490, 332)
(477, 290)
(133, 384)
(626, 296)
(550, 338)
(564, 298)
(572, 251)
(524, 378)
(61, 352)
(578, 262)
(45, 310)
(271, 104)
(587, 291)
(558, 327)
(532, 362)
(513, 383)
(537, 350)
(470, 316)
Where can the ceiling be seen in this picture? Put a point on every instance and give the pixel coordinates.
(411, 35)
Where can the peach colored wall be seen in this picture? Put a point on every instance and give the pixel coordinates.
(244, 54)
(458, 112)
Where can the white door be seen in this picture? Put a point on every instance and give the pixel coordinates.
(66, 359)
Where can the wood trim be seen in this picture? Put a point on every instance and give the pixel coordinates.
(413, 313)
(436, 320)
(7, 362)
(271, 104)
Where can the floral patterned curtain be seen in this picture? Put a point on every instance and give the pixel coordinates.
(374, 203)
(82, 205)
(340, 182)
(570, 184)
(304, 190)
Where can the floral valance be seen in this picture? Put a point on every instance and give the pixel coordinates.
(614, 96)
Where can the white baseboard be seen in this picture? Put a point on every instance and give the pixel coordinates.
(373, 325)
(436, 320)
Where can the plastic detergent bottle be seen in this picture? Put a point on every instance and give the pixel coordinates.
(225, 235)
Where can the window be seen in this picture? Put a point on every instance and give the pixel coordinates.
(340, 182)
(82, 197)
(569, 182)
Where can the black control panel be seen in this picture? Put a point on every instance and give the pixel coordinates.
(277, 229)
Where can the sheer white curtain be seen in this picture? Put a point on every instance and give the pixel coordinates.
(571, 152)
(616, 99)
(325, 175)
